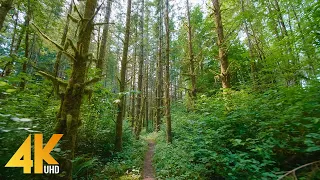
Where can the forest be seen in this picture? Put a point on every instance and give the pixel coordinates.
(160, 89)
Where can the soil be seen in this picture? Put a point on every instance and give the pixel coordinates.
(148, 171)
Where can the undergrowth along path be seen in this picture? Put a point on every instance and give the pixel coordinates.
(148, 171)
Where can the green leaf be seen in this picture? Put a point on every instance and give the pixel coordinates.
(313, 149)
(2, 83)
(10, 90)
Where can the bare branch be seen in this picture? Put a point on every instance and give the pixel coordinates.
(73, 46)
(77, 10)
(47, 38)
(100, 24)
(55, 80)
(94, 80)
(294, 170)
(73, 19)
(70, 56)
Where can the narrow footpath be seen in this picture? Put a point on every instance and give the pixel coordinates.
(148, 171)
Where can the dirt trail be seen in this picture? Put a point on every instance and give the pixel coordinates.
(148, 172)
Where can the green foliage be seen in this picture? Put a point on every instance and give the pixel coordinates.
(250, 136)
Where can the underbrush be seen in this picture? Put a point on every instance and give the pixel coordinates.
(34, 111)
(244, 135)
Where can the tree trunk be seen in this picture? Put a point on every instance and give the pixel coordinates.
(252, 58)
(124, 61)
(159, 72)
(140, 77)
(26, 50)
(5, 6)
(191, 59)
(59, 55)
(103, 46)
(147, 97)
(224, 64)
(167, 78)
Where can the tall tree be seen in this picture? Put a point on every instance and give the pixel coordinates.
(26, 50)
(63, 41)
(140, 74)
(224, 64)
(103, 46)
(159, 70)
(124, 61)
(167, 78)
(68, 118)
(192, 74)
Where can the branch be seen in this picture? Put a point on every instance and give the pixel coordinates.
(94, 15)
(55, 80)
(294, 170)
(47, 38)
(94, 80)
(100, 24)
(73, 19)
(77, 10)
(73, 46)
(69, 56)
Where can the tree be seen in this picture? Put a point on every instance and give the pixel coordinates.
(63, 41)
(159, 70)
(68, 118)
(192, 94)
(122, 82)
(223, 54)
(26, 50)
(103, 46)
(140, 75)
(167, 77)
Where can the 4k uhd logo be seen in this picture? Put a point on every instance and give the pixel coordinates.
(40, 154)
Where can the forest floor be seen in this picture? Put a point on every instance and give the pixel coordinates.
(148, 171)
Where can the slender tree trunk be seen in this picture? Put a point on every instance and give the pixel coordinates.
(26, 51)
(147, 97)
(224, 64)
(167, 78)
(5, 6)
(252, 59)
(59, 55)
(191, 59)
(103, 46)
(133, 87)
(140, 77)
(159, 72)
(124, 61)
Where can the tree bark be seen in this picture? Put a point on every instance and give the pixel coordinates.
(26, 51)
(252, 60)
(167, 78)
(191, 59)
(140, 77)
(159, 72)
(103, 46)
(5, 7)
(224, 64)
(59, 55)
(124, 61)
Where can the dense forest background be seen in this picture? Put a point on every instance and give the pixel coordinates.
(227, 89)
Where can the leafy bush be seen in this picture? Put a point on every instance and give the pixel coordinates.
(250, 136)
